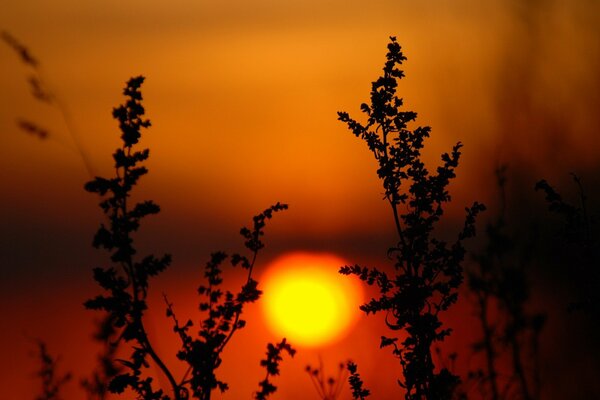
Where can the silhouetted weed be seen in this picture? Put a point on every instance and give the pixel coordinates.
(224, 310)
(96, 385)
(500, 284)
(581, 240)
(52, 381)
(356, 383)
(428, 270)
(127, 280)
(328, 388)
(271, 364)
(41, 92)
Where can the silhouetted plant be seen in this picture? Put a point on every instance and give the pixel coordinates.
(328, 388)
(501, 287)
(96, 385)
(52, 381)
(271, 364)
(41, 92)
(428, 271)
(126, 281)
(224, 309)
(356, 383)
(580, 231)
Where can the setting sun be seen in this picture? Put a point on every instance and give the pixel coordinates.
(307, 301)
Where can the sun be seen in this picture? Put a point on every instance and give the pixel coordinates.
(307, 301)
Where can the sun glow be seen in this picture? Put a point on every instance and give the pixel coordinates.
(307, 301)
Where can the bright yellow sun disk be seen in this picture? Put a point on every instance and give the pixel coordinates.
(307, 301)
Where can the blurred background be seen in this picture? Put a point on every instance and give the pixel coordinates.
(243, 98)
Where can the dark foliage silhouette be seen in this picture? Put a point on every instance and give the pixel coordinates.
(52, 381)
(578, 253)
(428, 270)
(224, 309)
(501, 287)
(328, 388)
(271, 364)
(96, 385)
(356, 383)
(40, 90)
(126, 281)
(580, 234)
(22, 51)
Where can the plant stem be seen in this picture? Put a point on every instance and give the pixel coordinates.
(489, 346)
(518, 367)
(138, 295)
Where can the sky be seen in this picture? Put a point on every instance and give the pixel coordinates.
(243, 99)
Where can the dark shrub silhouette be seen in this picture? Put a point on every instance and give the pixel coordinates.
(356, 383)
(96, 385)
(428, 270)
(224, 309)
(126, 281)
(501, 287)
(327, 387)
(41, 92)
(271, 364)
(52, 381)
(576, 248)
(581, 241)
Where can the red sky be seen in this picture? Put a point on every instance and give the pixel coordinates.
(243, 99)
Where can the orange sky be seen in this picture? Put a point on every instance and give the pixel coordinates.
(243, 99)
